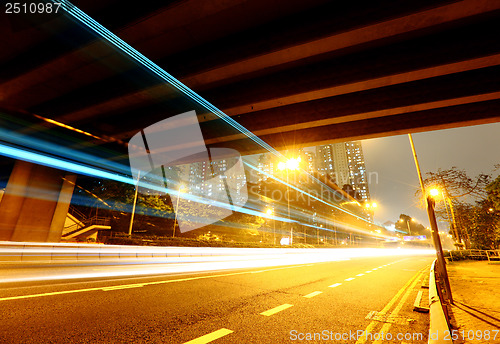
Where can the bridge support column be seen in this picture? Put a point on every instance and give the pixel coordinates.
(35, 203)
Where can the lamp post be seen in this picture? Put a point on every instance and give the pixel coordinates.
(133, 207)
(434, 192)
(439, 249)
(269, 211)
(291, 164)
(441, 266)
(181, 187)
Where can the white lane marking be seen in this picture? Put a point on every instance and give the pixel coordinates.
(313, 294)
(359, 275)
(334, 285)
(275, 310)
(210, 337)
(367, 272)
(349, 279)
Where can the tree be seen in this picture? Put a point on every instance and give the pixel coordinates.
(485, 229)
(456, 183)
(457, 189)
(153, 214)
(470, 204)
(406, 221)
(493, 190)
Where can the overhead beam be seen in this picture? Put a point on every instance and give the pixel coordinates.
(279, 130)
(415, 122)
(393, 29)
(173, 24)
(390, 29)
(389, 80)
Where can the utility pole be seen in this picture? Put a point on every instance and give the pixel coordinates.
(133, 207)
(441, 266)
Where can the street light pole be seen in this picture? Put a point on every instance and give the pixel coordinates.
(439, 249)
(270, 212)
(133, 207)
(274, 232)
(177, 208)
(454, 222)
(434, 228)
(290, 164)
(288, 203)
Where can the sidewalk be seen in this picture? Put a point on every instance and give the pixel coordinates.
(475, 286)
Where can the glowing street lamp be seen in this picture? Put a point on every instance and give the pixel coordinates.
(434, 194)
(370, 207)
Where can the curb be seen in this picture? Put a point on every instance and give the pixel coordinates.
(439, 331)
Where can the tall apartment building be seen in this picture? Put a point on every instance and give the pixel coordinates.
(332, 160)
(309, 161)
(342, 162)
(357, 169)
(208, 179)
(345, 164)
(268, 165)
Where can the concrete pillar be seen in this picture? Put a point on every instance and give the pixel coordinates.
(35, 203)
(62, 207)
(13, 198)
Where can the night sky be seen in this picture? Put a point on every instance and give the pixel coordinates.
(475, 149)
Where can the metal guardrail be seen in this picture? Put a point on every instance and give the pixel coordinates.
(439, 328)
(493, 255)
(101, 221)
(490, 255)
(77, 213)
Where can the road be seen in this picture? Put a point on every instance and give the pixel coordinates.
(283, 304)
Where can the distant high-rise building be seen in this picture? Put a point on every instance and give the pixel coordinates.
(309, 161)
(267, 165)
(206, 179)
(325, 160)
(357, 169)
(344, 163)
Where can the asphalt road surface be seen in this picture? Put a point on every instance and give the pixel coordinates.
(326, 302)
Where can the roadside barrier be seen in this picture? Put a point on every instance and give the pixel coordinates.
(439, 328)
